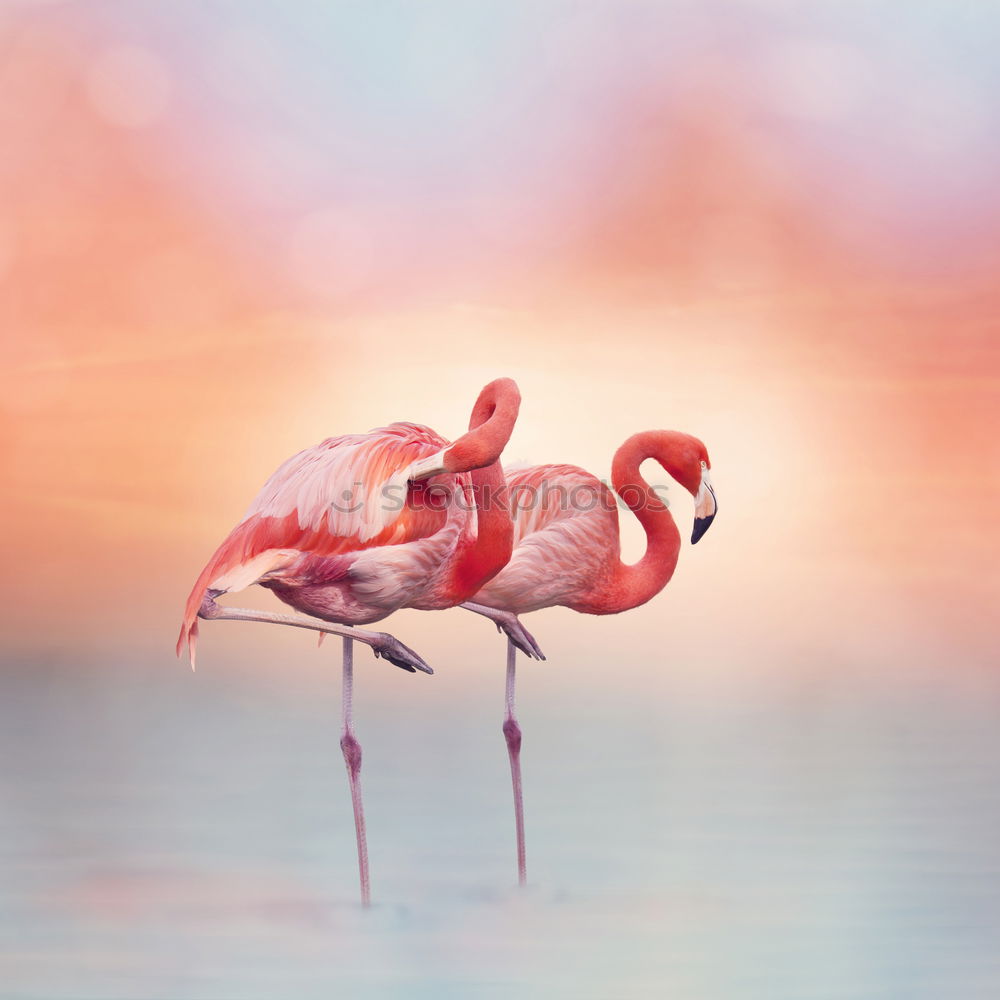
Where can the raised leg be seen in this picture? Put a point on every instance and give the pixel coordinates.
(512, 733)
(382, 643)
(510, 624)
(352, 758)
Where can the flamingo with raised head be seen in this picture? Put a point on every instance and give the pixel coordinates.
(567, 552)
(358, 527)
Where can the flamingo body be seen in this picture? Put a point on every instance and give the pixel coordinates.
(567, 549)
(339, 553)
(364, 524)
(345, 531)
(566, 545)
(567, 552)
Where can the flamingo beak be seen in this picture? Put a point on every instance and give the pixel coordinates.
(424, 468)
(705, 507)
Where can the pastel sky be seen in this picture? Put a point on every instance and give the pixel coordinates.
(230, 230)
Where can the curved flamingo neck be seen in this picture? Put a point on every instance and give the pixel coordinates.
(485, 554)
(636, 584)
(490, 427)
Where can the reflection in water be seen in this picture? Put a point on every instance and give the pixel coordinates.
(165, 836)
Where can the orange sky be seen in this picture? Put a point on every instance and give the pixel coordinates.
(159, 360)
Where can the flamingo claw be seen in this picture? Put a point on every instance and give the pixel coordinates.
(390, 648)
(519, 635)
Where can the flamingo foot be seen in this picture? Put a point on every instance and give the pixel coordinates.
(390, 648)
(508, 623)
(511, 626)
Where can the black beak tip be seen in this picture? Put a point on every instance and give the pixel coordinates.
(701, 525)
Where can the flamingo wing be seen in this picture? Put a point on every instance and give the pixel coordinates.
(344, 495)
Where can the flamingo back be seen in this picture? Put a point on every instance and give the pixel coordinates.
(565, 539)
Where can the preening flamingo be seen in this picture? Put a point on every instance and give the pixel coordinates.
(567, 551)
(351, 530)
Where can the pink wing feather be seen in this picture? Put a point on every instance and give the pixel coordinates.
(345, 494)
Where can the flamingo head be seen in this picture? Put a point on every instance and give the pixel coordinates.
(685, 458)
(490, 427)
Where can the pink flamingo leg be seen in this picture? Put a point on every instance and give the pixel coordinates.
(382, 644)
(352, 757)
(512, 733)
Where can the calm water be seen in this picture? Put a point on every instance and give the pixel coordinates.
(171, 836)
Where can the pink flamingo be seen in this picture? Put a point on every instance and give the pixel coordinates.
(567, 552)
(350, 530)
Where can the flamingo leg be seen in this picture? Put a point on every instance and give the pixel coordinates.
(509, 623)
(352, 758)
(512, 734)
(382, 643)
